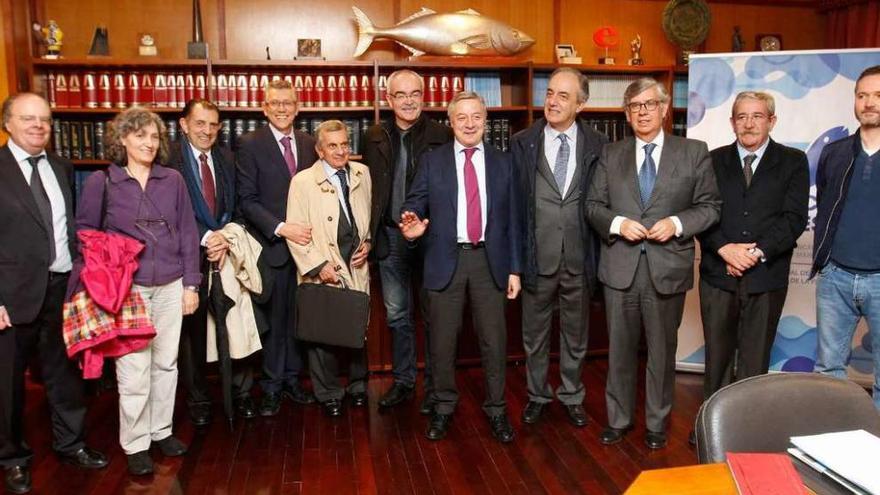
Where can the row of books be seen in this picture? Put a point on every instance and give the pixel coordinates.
(680, 92)
(312, 90)
(486, 84)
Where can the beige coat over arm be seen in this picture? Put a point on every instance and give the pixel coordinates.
(314, 201)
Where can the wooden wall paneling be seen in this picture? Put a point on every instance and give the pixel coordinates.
(801, 28)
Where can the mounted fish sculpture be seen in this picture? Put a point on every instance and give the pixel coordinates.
(466, 32)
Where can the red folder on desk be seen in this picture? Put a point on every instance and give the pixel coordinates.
(765, 474)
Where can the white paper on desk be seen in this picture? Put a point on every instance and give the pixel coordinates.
(851, 454)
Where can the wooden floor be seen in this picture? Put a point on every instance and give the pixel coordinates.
(371, 451)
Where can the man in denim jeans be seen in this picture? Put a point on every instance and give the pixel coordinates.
(392, 152)
(846, 246)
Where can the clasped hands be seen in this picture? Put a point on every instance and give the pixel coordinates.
(661, 232)
(739, 257)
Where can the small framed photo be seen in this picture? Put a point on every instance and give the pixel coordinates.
(308, 48)
(565, 51)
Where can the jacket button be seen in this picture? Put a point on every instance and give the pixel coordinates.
(745, 213)
(329, 219)
(745, 233)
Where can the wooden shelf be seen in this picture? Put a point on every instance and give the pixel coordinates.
(290, 64)
(606, 69)
(507, 108)
(303, 109)
(67, 111)
(86, 63)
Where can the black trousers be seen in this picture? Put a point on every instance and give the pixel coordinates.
(282, 360)
(739, 329)
(192, 361)
(64, 385)
(473, 283)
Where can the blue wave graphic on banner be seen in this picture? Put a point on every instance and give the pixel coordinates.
(815, 149)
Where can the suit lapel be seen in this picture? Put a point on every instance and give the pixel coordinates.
(768, 161)
(10, 173)
(732, 167)
(544, 166)
(669, 159)
(629, 173)
(448, 176)
(273, 150)
(491, 181)
(300, 153)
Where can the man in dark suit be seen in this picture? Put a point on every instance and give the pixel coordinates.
(392, 151)
(468, 191)
(555, 159)
(209, 172)
(745, 260)
(37, 246)
(267, 159)
(650, 195)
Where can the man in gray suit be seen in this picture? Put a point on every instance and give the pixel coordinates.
(650, 196)
(555, 158)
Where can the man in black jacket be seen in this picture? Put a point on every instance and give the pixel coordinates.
(746, 256)
(392, 152)
(555, 159)
(209, 172)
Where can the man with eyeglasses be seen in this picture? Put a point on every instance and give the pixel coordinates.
(392, 152)
(37, 246)
(746, 256)
(650, 195)
(209, 172)
(267, 160)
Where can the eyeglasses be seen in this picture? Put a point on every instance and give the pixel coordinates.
(30, 119)
(649, 105)
(276, 104)
(400, 95)
(745, 117)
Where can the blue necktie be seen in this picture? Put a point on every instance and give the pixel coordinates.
(560, 169)
(647, 175)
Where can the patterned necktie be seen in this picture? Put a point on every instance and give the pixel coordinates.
(561, 168)
(288, 155)
(472, 194)
(208, 190)
(648, 174)
(343, 180)
(747, 167)
(44, 207)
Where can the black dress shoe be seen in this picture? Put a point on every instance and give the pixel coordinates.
(332, 408)
(437, 426)
(426, 408)
(244, 408)
(298, 395)
(692, 438)
(501, 428)
(271, 405)
(655, 439)
(140, 463)
(18, 479)
(576, 415)
(610, 436)
(171, 447)
(395, 395)
(532, 413)
(86, 458)
(200, 414)
(358, 399)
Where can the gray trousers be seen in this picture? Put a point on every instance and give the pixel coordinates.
(627, 310)
(566, 289)
(324, 369)
(473, 283)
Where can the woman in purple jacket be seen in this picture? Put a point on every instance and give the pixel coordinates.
(148, 202)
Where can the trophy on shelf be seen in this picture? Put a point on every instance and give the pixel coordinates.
(100, 43)
(49, 36)
(635, 47)
(197, 48)
(606, 37)
(147, 47)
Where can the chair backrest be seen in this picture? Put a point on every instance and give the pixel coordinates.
(760, 413)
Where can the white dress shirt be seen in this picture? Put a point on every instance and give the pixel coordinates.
(196, 154)
(552, 143)
(337, 185)
(62, 262)
(479, 161)
(656, 153)
(759, 153)
(278, 136)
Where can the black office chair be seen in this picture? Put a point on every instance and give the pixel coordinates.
(760, 413)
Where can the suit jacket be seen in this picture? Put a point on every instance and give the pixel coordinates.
(527, 146)
(434, 195)
(314, 201)
(685, 187)
(263, 181)
(771, 212)
(427, 134)
(24, 248)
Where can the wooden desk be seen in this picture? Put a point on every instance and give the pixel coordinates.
(703, 479)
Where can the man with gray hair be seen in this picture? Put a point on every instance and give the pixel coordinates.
(469, 256)
(650, 195)
(555, 159)
(745, 258)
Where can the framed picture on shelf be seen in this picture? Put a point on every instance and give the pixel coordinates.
(308, 49)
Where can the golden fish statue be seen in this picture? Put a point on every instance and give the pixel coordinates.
(466, 32)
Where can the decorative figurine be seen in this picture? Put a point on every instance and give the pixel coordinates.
(100, 43)
(268, 56)
(606, 37)
(51, 38)
(736, 43)
(635, 47)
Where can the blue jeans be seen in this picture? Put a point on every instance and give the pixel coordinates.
(842, 298)
(396, 271)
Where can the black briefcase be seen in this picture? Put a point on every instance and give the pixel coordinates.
(331, 315)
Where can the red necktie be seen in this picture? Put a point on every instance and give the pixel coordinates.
(472, 194)
(208, 190)
(288, 155)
